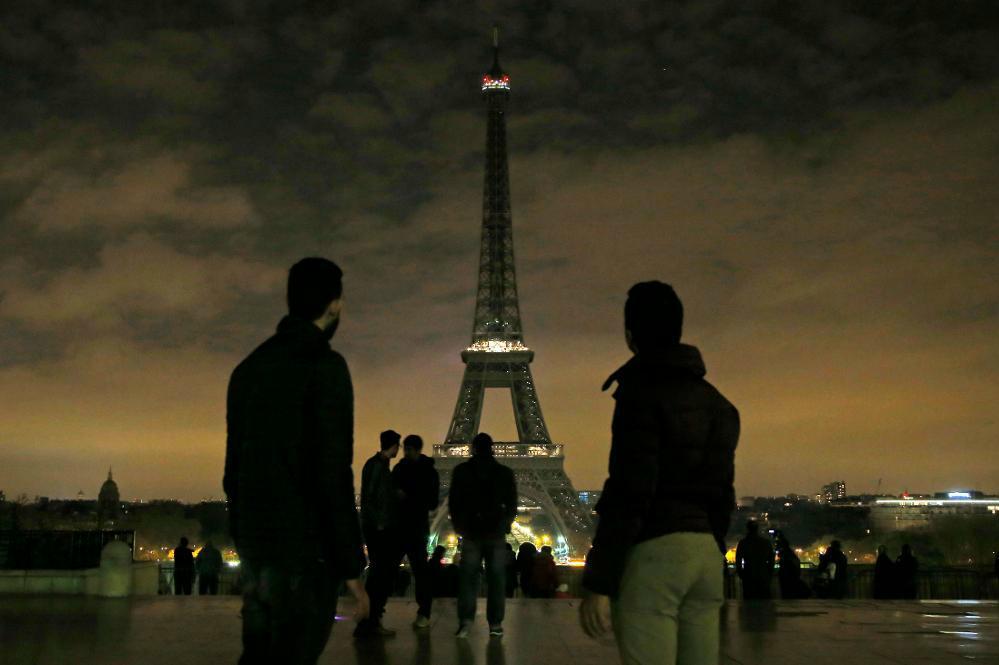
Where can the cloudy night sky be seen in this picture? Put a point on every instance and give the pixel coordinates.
(819, 180)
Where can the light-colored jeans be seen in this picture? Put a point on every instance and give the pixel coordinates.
(668, 607)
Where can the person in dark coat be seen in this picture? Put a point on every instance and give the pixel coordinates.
(209, 565)
(545, 578)
(483, 505)
(789, 571)
(183, 568)
(525, 567)
(511, 571)
(288, 476)
(666, 505)
(380, 524)
(419, 487)
(884, 576)
(839, 580)
(435, 572)
(906, 569)
(754, 563)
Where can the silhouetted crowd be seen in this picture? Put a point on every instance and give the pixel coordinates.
(755, 558)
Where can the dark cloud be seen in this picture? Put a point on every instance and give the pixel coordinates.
(816, 179)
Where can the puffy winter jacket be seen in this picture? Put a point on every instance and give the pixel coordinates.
(671, 461)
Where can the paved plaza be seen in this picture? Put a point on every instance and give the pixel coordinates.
(55, 630)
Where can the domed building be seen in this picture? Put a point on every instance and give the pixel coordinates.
(108, 504)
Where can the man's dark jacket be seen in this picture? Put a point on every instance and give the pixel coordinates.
(672, 460)
(421, 485)
(183, 560)
(483, 498)
(289, 450)
(379, 503)
(209, 562)
(754, 560)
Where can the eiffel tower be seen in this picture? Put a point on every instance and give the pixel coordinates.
(498, 358)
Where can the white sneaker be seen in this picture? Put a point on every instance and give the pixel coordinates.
(463, 631)
(421, 622)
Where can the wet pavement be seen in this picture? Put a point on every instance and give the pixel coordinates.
(64, 630)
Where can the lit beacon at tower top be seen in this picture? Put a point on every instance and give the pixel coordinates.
(495, 78)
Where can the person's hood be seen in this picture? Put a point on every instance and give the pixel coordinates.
(679, 358)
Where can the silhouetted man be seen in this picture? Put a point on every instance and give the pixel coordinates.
(483, 505)
(183, 568)
(754, 563)
(288, 476)
(789, 571)
(380, 521)
(209, 566)
(884, 575)
(839, 579)
(419, 488)
(526, 554)
(666, 505)
(545, 575)
(906, 569)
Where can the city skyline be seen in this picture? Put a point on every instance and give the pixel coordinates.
(831, 232)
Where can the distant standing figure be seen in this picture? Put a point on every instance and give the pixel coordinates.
(526, 554)
(667, 503)
(436, 573)
(884, 575)
(183, 568)
(288, 476)
(839, 579)
(419, 488)
(380, 525)
(483, 505)
(906, 568)
(511, 571)
(209, 566)
(754, 563)
(545, 578)
(789, 571)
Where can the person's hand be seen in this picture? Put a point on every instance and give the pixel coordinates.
(362, 604)
(595, 616)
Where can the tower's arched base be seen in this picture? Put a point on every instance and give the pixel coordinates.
(549, 511)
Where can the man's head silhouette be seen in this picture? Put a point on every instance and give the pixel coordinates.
(389, 441)
(411, 446)
(315, 291)
(482, 444)
(653, 317)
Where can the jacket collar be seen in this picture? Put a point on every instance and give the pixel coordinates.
(299, 328)
(678, 358)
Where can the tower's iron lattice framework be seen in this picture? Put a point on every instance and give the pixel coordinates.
(497, 356)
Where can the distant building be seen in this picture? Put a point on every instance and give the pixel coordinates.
(108, 504)
(908, 512)
(834, 491)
